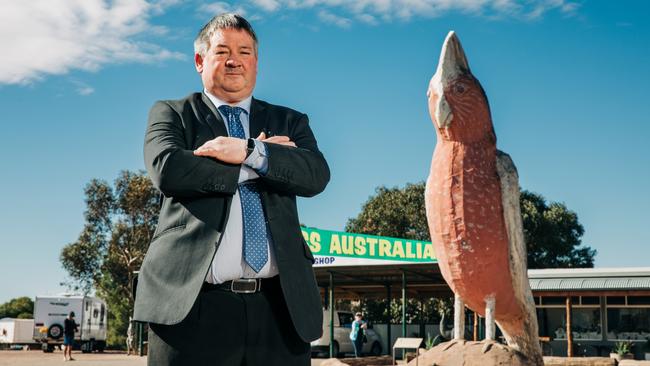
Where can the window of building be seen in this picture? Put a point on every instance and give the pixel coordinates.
(638, 300)
(615, 300)
(552, 322)
(628, 323)
(585, 325)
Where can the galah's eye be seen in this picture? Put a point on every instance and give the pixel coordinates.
(459, 88)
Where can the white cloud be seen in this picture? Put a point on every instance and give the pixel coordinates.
(367, 18)
(53, 37)
(330, 18)
(339, 12)
(83, 88)
(220, 7)
(268, 5)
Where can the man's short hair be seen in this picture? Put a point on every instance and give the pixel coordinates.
(219, 22)
(358, 314)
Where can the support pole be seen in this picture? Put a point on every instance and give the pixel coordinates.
(569, 332)
(331, 306)
(490, 325)
(388, 330)
(459, 318)
(423, 330)
(403, 304)
(140, 339)
(475, 326)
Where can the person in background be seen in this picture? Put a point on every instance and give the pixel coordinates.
(130, 338)
(358, 333)
(69, 329)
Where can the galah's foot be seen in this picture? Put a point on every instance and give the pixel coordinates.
(453, 343)
(489, 343)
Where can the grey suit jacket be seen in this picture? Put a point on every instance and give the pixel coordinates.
(196, 197)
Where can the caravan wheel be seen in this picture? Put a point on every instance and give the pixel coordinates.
(55, 331)
(101, 345)
(87, 347)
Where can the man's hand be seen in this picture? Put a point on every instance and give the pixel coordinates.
(230, 150)
(281, 140)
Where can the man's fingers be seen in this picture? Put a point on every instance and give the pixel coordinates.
(262, 136)
(277, 139)
(204, 149)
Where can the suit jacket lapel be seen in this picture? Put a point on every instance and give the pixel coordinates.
(257, 120)
(212, 117)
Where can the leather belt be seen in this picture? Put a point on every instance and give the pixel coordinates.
(243, 285)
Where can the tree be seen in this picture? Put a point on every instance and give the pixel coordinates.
(552, 234)
(20, 307)
(551, 230)
(393, 212)
(119, 223)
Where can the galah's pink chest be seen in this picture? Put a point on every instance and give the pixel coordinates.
(466, 218)
(466, 188)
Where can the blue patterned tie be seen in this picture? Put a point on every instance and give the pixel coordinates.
(256, 237)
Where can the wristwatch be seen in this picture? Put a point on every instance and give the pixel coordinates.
(250, 147)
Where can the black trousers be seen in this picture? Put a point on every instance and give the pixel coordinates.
(229, 329)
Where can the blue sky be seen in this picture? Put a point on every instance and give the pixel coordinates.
(567, 82)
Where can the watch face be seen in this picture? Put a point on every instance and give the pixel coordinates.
(250, 147)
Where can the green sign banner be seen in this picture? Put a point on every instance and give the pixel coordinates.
(334, 248)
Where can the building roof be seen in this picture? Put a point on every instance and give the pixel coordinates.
(584, 279)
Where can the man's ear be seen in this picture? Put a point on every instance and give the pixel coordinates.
(198, 63)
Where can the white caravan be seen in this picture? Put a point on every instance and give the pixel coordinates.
(16, 331)
(90, 316)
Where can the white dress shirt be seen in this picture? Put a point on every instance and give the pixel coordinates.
(228, 263)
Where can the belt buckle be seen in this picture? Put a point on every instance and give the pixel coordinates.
(246, 282)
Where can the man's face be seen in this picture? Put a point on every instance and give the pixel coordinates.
(229, 68)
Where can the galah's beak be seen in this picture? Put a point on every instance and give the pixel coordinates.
(451, 65)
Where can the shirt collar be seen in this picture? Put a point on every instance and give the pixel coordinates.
(243, 104)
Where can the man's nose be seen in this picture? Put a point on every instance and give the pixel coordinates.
(232, 62)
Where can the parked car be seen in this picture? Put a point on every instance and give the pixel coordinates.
(51, 311)
(342, 343)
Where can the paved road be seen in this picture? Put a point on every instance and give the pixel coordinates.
(38, 358)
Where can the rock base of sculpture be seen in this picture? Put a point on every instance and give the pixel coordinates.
(464, 353)
(361, 361)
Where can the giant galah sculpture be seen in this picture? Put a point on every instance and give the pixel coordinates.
(472, 202)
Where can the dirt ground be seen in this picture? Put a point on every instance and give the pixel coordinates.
(38, 358)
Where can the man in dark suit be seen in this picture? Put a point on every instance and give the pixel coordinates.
(228, 278)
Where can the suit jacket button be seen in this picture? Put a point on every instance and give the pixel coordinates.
(223, 187)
